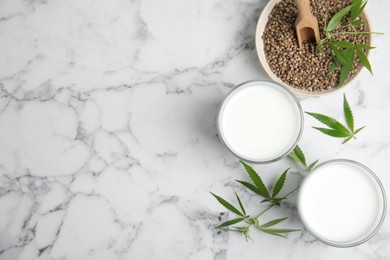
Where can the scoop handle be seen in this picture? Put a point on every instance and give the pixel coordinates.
(303, 7)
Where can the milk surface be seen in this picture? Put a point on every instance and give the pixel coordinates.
(340, 202)
(261, 122)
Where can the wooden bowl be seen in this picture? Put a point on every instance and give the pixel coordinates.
(263, 19)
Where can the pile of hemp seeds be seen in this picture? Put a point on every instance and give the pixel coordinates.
(305, 69)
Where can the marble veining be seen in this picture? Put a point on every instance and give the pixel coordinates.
(108, 141)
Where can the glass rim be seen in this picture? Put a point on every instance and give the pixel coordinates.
(364, 238)
(248, 84)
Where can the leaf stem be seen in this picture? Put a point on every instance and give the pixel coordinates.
(264, 211)
(354, 36)
(333, 34)
(288, 194)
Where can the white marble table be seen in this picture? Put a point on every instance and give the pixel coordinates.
(108, 144)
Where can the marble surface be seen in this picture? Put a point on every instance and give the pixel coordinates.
(108, 142)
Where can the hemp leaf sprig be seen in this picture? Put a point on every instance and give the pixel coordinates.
(259, 188)
(344, 52)
(336, 129)
(298, 156)
(247, 222)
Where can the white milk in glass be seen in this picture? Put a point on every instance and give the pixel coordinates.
(340, 202)
(260, 121)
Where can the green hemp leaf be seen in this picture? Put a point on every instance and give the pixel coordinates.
(247, 222)
(298, 156)
(344, 53)
(336, 129)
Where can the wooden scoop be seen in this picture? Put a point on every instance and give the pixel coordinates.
(306, 24)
